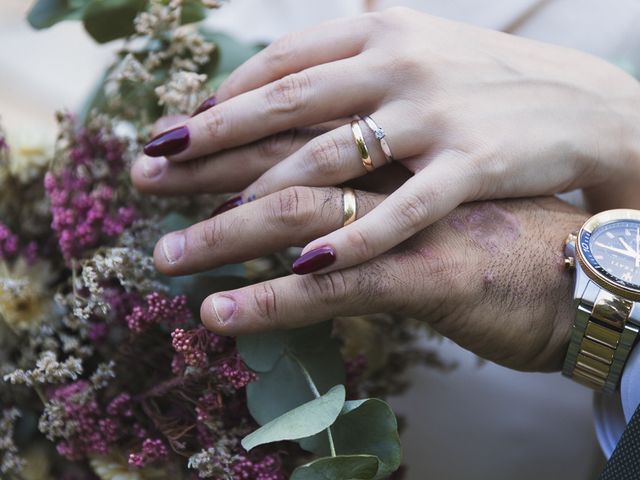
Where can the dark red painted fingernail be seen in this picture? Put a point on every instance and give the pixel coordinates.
(228, 205)
(314, 260)
(168, 143)
(206, 105)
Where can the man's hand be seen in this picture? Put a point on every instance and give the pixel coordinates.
(489, 276)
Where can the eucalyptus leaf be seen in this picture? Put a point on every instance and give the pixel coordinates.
(261, 351)
(45, 13)
(107, 20)
(278, 391)
(281, 386)
(192, 11)
(364, 427)
(303, 421)
(341, 467)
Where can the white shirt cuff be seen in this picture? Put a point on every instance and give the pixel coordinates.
(613, 412)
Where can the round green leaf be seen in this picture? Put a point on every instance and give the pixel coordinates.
(342, 467)
(192, 11)
(45, 13)
(303, 421)
(364, 427)
(261, 351)
(278, 391)
(107, 20)
(281, 386)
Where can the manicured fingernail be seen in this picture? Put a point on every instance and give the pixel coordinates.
(173, 246)
(153, 166)
(206, 105)
(314, 260)
(228, 205)
(223, 308)
(168, 143)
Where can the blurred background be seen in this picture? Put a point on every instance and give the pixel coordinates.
(478, 421)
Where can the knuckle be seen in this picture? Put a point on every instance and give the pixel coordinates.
(324, 157)
(211, 233)
(413, 210)
(213, 122)
(278, 145)
(264, 297)
(288, 94)
(293, 207)
(282, 49)
(331, 287)
(359, 244)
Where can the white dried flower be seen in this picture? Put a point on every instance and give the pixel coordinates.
(103, 375)
(53, 422)
(48, 370)
(11, 463)
(182, 92)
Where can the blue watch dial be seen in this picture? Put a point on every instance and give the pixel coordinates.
(613, 250)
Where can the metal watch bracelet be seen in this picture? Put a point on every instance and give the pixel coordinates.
(604, 331)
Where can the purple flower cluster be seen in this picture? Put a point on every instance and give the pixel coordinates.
(193, 346)
(153, 449)
(267, 468)
(82, 214)
(85, 211)
(233, 371)
(8, 243)
(10, 246)
(81, 409)
(158, 308)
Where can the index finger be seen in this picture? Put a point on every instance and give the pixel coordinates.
(316, 95)
(330, 41)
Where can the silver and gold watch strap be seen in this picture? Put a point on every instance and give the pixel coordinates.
(601, 339)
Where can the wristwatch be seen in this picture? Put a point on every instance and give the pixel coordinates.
(606, 256)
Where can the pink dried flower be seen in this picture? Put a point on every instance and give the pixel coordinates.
(194, 345)
(267, 468)
(158, 308)
(9, 244)
(153, 449)
(121, 405)
(235, 373)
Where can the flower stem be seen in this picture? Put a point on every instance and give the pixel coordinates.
(316, 394)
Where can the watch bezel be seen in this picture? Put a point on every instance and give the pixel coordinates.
(591, 267)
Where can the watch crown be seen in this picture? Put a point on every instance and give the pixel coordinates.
(570, 263)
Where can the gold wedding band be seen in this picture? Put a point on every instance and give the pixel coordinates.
(349, 205)
(380, 136)
(362, 146)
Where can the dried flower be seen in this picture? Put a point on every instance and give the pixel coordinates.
(11, 462)
(47, 370)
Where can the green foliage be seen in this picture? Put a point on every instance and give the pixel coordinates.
(104, 20)
(303, 421)
(107, 20)
(293, 367)
(282, 385)
(345, 467)
(363, 427)
(45, 13)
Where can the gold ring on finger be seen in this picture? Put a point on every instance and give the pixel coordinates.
(349, 204)
(362, 146)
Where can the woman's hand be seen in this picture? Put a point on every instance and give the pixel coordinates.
(474, 114)
(489, 275)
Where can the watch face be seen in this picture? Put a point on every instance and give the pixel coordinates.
(612, 251)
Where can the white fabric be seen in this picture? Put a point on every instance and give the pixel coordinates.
(612, 413)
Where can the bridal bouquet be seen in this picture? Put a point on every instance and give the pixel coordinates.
(105, 370)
